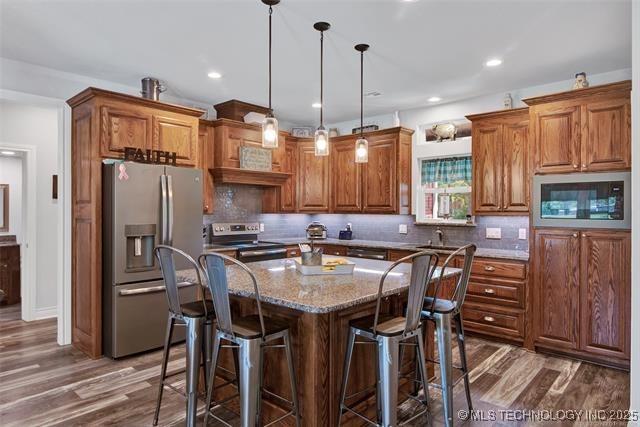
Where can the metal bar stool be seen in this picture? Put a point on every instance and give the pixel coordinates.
(441, 311)
(388, 333)
(197, 316)
(250, 335)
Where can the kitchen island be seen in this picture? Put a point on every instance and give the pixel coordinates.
(318, 310)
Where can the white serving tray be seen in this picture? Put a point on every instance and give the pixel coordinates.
(311, 270)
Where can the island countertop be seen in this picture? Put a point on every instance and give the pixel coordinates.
(280, 284)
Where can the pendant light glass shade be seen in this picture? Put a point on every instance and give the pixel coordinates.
(270, 132)
(362, 150)
(321, 139)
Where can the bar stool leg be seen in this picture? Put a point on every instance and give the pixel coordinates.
(388, 366)
(422, 365)
(292, 377)
(463, 357)
(194, 342)
(212, 375)
(351, 340)
(207, 343)
(165, 361)
(249, 381)
(261, 386)
(443, 332)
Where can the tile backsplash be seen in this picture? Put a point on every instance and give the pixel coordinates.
(243, 203)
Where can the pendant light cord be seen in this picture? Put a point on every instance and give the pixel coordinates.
(270, 13)
(321, 78)
(361, 94)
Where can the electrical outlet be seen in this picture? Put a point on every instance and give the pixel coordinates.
(494, 233)
(522, 233)
(262, 227)
(402, 229)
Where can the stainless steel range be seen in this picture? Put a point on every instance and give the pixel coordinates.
(244, 238)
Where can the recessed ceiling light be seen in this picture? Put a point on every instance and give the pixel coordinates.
(494, 62)
(434, 99)
(8, 153)
(372, 94)
(214, 75)
(316, 105)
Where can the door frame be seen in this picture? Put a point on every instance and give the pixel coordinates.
(63, 279)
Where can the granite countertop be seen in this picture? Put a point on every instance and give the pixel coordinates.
(280, 284)
(481, 252)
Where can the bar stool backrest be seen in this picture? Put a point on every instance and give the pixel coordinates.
(423, 265)
(216, 272)
(165, 256)
(460, 291)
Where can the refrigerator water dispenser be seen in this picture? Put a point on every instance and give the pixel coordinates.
(141, 239)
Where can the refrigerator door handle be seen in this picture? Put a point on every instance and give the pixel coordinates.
(163, 208)
(170, 210)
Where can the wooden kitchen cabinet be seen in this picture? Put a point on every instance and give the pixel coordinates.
(289, 188)
(346, 185)
(379, 176)
(582, 130)
(500, 153)
(206, 144)
(582, 290)
(103, 123)
(313, 179)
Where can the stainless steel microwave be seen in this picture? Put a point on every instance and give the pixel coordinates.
(584, 200)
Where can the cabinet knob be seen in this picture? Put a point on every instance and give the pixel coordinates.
(584, 166)
(489, 319)
(584, 235)
(575, 234)
(575, 166)
(489, 268)
(489, 291)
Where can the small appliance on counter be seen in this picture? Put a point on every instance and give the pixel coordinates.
(316, 231)
(346, 234)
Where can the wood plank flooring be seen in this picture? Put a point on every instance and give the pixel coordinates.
(43, 384)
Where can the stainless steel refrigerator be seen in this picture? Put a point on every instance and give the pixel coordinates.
(143, 206)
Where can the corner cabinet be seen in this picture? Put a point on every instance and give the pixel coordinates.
(582, 291)
(500, 152)
(103, 123)
(583, 130)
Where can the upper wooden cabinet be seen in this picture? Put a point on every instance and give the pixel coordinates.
(582, 130)
(346, 185)
(582, 289)
(288, 189)
(313, 179)
(500, 152)
(129, 121)
(383, 184)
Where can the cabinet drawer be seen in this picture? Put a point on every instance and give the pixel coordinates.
(493, 320)
(396, 254)
(499, 292)
(293, 251)
(334, 250)
(494, 268)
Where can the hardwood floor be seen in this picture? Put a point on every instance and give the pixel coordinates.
(42, 383)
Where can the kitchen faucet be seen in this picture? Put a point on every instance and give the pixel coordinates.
(440, 234)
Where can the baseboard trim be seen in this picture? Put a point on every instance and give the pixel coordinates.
(45, 313)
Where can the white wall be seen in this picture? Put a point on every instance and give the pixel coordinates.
(635, 250)
(38, 127)
(11, 173)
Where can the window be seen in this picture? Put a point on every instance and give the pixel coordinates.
(445, 191)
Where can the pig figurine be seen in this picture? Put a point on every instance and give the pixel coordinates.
(444, 131)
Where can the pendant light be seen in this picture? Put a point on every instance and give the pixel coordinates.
(270, 123)
(321, 137)
(362, 145)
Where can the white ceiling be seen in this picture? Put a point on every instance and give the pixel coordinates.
(418, 49)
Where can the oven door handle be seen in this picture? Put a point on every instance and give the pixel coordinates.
(151, 289)
(263, 252)
(368, 256)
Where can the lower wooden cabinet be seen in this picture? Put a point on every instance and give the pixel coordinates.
(10, 273)
(333, 249)
(582, 291)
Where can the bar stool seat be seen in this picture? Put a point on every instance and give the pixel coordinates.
(388, 326)
(196, 309)
(440, 306)
(248, 327)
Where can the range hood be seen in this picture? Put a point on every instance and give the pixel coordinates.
(227, 175)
